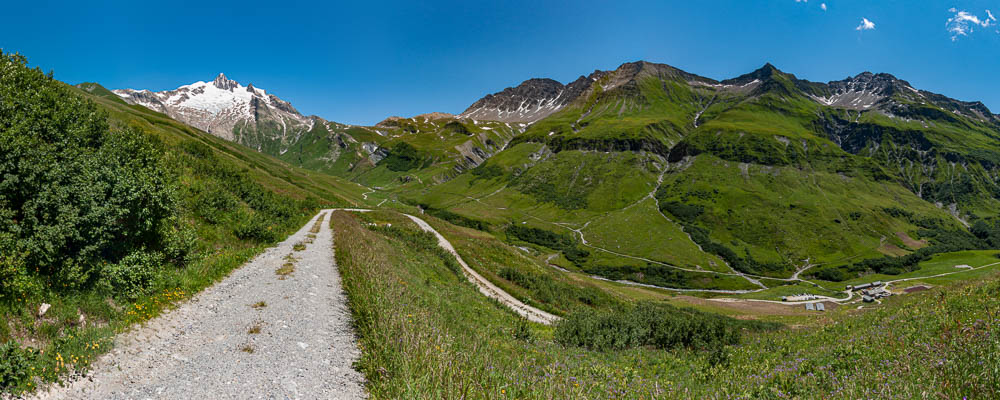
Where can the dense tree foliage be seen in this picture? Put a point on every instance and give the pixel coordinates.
(555, 241)
(403, 157)
(86, 206)
(984, 235)
(746, 264)
(684, 212)
(459, 220)
(74, 195)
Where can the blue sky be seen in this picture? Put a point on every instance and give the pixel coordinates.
(359, 62)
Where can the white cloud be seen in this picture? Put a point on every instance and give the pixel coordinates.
(963, 23)
(866, 25)
(823, 6)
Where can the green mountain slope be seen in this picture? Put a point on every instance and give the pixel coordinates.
(763, 174)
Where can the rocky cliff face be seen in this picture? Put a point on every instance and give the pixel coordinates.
(530, 101)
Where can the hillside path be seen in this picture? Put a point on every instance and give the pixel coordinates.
(304, 350)
(486, 287)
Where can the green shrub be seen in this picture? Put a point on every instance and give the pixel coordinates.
(459, 220)
(541, 237)
(555, 241)
(198, 149)
(133, 276)
(745, 264)
(403, 157)
(652, 324)
(831, 274)
(74, 192)
(15, 282)
(213, 203)
(252, 226)
(180, 243)
(683, 212)
(897, 212)
(15, 364)
(522, 330)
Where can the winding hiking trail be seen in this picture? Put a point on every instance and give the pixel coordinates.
(305, 347)
(486, 287)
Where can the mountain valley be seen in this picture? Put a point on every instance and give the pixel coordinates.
(644, 231)
(764, 174)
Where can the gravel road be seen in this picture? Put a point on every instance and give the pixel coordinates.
(305, 347)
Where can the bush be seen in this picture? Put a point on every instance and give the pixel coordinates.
(252, 226)
(15, 364)
(522, 330)
(552, 240)
(541, 237)
(832, 274)
(198, 149)
(745, 264)
(898, 212)
(133, 276)
(403, 157)
(15, 283)
(459, 220)
(652, 324)
(74, 192)
(683, 212)
(180, 243)
(213, 203)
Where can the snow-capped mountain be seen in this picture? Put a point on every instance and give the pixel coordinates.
(227, 109)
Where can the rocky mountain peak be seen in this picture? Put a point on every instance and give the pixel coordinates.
(527, 102)
(224, 83)
(222, 106)
(764, 74)
(881, 83)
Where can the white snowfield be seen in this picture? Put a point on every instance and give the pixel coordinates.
(216, 106)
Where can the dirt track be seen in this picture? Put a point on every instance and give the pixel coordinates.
(205, 349)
